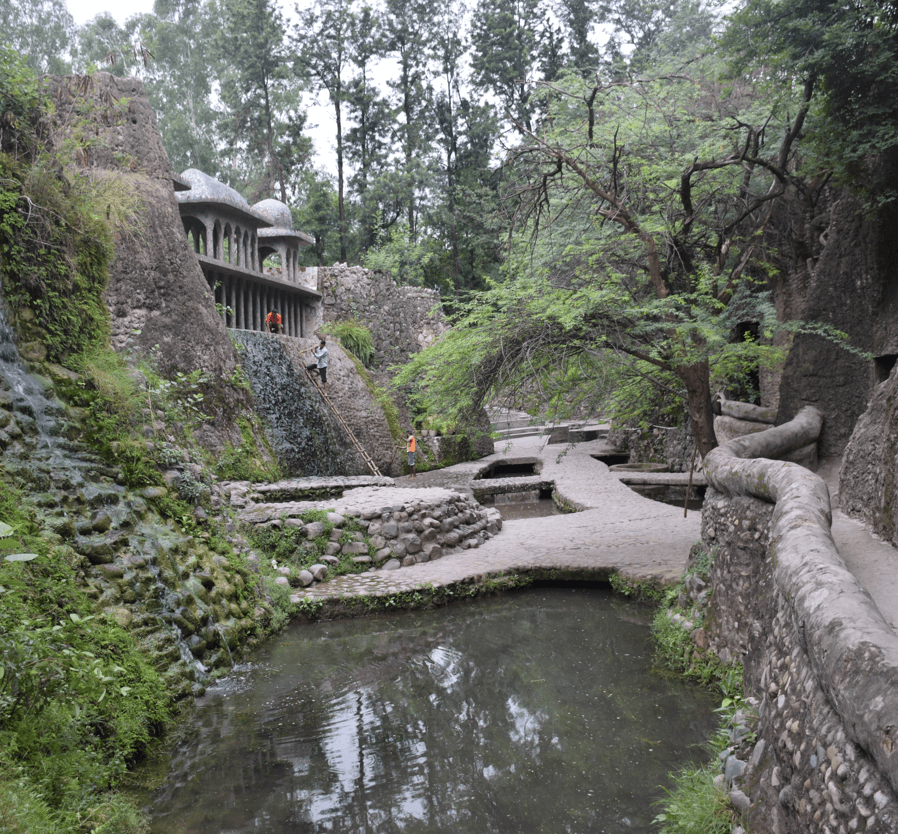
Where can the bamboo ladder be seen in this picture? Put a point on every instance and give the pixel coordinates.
(368, 460)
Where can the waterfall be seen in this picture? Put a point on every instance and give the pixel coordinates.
(304, 435)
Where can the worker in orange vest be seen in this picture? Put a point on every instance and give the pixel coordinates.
(410, 449)
(274, 322)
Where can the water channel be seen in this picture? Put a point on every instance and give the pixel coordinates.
(535, 711)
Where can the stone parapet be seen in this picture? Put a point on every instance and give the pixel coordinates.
(817, 652)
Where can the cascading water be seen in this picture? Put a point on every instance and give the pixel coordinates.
(143, 571)
(306, 439)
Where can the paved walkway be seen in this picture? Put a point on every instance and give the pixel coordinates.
(616, 529)
(873, 562)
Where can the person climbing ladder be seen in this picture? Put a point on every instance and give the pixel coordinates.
(320, 364)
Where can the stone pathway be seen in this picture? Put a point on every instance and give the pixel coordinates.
(615, 529)
(872, 561)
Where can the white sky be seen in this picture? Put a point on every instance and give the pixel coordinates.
(321, 123)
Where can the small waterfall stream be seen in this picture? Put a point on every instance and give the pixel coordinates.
(306, 439)
(150, 576)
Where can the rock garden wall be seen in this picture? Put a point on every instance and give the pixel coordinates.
(671, 445)
(390, 527)
(402, 320)
(820, 661)
(804, 773)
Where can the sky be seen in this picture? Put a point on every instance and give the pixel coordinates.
(321, 124)
(85, 10)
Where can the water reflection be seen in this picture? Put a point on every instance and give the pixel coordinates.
(533, 712)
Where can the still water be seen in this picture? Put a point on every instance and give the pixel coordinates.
(531, 712)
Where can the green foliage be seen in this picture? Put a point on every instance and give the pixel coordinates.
(77, 700)
(57, 220)
(639, 590)
(695, 805)
(353, 336)
(848, 55)
(242, 462)
(408, 261)
(112, 402)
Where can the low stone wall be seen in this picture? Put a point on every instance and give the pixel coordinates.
(671, 445)
(818, 656)
(404, 527)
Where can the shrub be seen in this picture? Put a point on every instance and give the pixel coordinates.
(355, 337)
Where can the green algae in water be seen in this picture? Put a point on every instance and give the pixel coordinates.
(534, 712)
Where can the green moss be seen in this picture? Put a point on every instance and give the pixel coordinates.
(639, 590)
(78, 702)
(243, 462)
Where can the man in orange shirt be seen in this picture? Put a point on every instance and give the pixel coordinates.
(274, 322)
(410, 449)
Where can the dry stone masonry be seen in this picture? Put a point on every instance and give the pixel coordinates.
(402, 320)
(403, 527)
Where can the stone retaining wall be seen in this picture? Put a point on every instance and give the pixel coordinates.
(672, 445)
(818, 656)
(403, 527)
(402, 320)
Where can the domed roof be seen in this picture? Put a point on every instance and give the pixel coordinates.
(275, 211)
(206, 188)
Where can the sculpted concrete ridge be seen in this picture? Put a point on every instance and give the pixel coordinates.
(853, 651)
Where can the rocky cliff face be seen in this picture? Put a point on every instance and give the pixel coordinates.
(159, 302)
(840, 275)
(868, 482)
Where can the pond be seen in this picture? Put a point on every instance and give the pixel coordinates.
(530, 712)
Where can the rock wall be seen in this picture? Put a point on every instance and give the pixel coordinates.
(805, 773)
(868, 481)
(159, 302)
(157, 295)
(303, 432)
(819, 658)
(837, 270)
(671, 445)
(402, 320)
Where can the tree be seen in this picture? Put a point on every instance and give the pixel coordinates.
(255, 86)
(640, 208)
(506, 40)
(324, 55)
(367, 141)
(103, 43)
(180, 35)
(848, 53)
(41, 31)
(409, 31)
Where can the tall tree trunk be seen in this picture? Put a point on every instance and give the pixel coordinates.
(340, 206)
(698, 398)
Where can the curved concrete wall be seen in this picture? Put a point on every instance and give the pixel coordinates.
(813, 642)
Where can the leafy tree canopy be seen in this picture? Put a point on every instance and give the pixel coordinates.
(640, 207)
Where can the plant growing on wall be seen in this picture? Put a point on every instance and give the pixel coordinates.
(353, 336)
(58, 218)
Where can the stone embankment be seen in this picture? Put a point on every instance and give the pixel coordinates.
(818, 655)
(397, 527)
